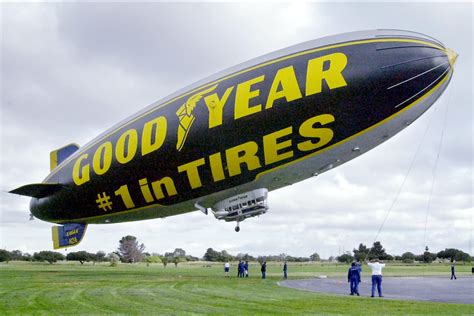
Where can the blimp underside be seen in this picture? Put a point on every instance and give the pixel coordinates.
(221, 144)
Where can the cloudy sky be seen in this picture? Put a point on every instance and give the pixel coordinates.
(70, 71)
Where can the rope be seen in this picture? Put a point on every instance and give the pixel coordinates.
(435, 167)
(402, 184)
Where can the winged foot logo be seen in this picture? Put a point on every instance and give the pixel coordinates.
(186, 117)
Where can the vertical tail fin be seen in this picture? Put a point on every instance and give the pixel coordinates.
(68, 235)
(59, 155)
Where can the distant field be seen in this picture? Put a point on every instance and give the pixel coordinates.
(194, 288)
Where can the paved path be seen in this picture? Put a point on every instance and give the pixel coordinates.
(434, 289)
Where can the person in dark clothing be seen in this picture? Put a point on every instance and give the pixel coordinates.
(453, 274)
(263, 269)
(246, 269)
(285, 271)
(240, 269)
(353, 276)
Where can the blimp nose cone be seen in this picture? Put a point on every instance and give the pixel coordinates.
(452, 56)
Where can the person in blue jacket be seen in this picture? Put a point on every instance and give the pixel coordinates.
(240, 269)
(353, 276)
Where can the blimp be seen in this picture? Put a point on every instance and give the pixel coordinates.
(220, 145)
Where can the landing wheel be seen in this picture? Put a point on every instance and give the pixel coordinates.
(237, 228)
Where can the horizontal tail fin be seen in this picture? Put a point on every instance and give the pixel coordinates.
(68, 235)
(59, 155)
(38, 190)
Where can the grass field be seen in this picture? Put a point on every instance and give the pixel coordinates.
(193, 288)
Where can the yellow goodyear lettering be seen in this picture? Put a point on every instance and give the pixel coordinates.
(242, 154)
(192, 172)
(309, 130)
(124, 193)
(165, 183)
(72, 232)
(217, 170)
(216, 107)
(272, 148)
(290, 90)
(333, 75)
(145, 190)
(102, 159)
(81, 173)
(126, 147)
(153, 135)
(243, 95)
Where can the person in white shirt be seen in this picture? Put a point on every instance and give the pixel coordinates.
(376, 267)
(226, 269)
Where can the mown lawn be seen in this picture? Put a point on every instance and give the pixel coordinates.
(41, 289)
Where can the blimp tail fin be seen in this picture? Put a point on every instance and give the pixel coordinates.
(59, 155)
(38, 190)
(68, 235)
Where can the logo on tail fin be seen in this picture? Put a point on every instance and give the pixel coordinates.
(186, 117)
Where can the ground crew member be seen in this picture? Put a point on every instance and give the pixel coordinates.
(263, 269)
(240, 269)
(353, 276)
(226, 269)
(376, 267)
(453, 274)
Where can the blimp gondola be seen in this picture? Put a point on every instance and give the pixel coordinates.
(220, 145)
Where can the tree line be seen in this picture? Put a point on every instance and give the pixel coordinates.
(131, 251)
(377, 251)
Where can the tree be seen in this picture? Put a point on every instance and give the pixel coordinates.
(211, 255)
(164, 260)
(4, 255)
(114, 259)
(225, 256)
(100, 256)
(129, 249)
(448, 253)
(16, 255)
(315, 257)
(81, 256)
(462, 256)
(191, 258)
(347, 258)
(454, 254)
(361, 253)
(152, 259)
(408, 257)
(177, 256)
(261, 259)
(377, 251)
(428, 257)
(50, 256)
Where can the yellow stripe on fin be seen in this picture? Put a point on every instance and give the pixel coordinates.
(59, 155)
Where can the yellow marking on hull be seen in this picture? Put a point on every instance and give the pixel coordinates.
(359, 42)
(438, 85)
(358, 134)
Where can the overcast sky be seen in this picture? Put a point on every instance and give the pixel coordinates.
(70, 71)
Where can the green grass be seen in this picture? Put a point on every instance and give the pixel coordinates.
(41, 289)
